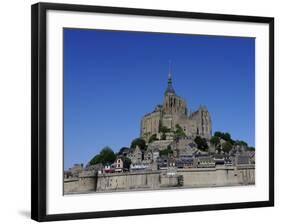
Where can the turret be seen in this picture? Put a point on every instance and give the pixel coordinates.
(170, 89)
(173, 104)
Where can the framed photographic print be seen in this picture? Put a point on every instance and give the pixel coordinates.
(139, 111)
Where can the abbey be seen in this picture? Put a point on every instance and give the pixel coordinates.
(173, 113)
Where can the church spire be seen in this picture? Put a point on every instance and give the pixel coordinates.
(170, 74)
(170, 88)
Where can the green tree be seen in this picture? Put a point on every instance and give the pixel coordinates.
(225, 136)
(179, 132)
(163, 136)
(152, 138)
(95, 160)
(215, 140)
(138, 142)
(242, 143)
(251, 149)
(167, 151)
(226, 147)
(201, 143)
(122, 150)
(126, 163)
(159, 126)
(218, 134)
(164, 129)
(106, 155)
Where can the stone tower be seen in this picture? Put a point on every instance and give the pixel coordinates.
(173, 104)
(174, 112)
(203, 122)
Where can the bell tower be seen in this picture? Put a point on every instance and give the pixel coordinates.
(170, 90)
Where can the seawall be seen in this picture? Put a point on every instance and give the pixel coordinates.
(187, 178)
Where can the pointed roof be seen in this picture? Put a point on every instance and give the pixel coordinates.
(170, 88)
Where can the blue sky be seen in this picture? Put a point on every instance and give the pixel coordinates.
(112, 78)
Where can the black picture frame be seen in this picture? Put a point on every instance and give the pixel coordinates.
(38, 108)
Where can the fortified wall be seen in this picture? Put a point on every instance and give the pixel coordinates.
(186, 178)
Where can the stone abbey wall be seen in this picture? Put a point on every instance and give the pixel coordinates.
(174, 111)
(174, 104)
(189, 178)
(150, 124)
(203, 122)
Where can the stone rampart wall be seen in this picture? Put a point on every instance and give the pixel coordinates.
(189, 178)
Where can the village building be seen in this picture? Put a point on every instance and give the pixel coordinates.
(151, 155)
(204, 162)
(109, 168)
(164, 162)
(242, 159)
(142, 166)
(228, 160)
(148, 156)
(119, 165)
(185, 162)
(135, 155)
(75, 170)
(252, 157)
(219, 159)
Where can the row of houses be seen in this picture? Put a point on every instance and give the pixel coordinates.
(138, 155)
(150, 160)
(204, 161)
(79, 170)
